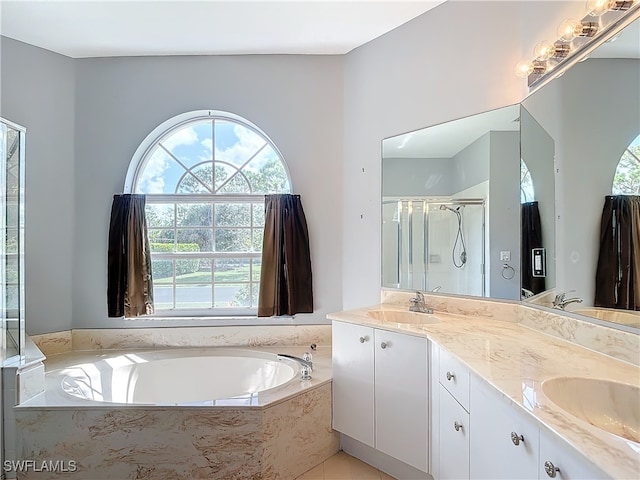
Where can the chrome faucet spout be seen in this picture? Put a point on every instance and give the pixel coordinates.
(561, 302)
(418, 305)
(304, 363)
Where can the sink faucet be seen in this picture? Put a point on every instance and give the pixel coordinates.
(560, 301)
(418, 305)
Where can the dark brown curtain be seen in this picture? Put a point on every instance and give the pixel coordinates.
(129, 281)
(531, 237)
(618, 272)
(285, 278)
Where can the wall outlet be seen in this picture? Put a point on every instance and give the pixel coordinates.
(505, 256)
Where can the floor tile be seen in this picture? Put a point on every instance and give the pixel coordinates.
(342, 466)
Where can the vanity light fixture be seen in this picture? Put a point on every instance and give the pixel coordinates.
(599, 7)
(576, 38)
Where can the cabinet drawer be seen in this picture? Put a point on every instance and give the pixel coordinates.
(454, 438)
(454, 376)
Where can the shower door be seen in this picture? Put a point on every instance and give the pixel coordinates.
(434, 244)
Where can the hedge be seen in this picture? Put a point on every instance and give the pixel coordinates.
(164, 269)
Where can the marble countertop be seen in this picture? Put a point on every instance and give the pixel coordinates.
(515, 360)
(54, 397)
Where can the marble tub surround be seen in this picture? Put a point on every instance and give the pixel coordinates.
(277, 442)
(515, 360)
(52, 343)
(287, 432)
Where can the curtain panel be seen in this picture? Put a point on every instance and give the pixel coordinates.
(285, 276)
(531, 235)
(129, 279)
(618, 271)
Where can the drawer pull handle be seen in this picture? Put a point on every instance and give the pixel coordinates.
(551, 469)
(516, 439)
(457, 426)
(450, 376)
(363, 339)
(383, 345)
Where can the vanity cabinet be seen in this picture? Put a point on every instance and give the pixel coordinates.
(558, 460)
(380, 390)
(454, 427)
(504, 444)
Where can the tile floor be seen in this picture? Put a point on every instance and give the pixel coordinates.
(344, 467)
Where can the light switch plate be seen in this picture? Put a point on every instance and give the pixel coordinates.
(505, 256)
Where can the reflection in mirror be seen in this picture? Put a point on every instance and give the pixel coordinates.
(12, 222)
(449, 207)
(592, 113)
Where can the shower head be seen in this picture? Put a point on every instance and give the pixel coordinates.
(444, 207)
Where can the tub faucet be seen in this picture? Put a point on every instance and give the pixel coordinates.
(560, 302)
(305, 363)
(418, 305)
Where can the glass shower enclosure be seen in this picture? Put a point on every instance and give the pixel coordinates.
(434, 244)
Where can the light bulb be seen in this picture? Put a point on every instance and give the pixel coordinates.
(524, 69)
(543, 50)
(598, 7)
(569, 29)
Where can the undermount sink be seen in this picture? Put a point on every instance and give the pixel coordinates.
(403, 316)
(610, 406)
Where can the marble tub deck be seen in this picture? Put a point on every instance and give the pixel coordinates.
(109, 441)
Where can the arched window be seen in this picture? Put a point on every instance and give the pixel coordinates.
(627, 178)
(205, 175)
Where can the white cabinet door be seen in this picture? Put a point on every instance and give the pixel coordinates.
(401, 397)
(454, 438)
(494, 454)
(353, 395)
(570, 465)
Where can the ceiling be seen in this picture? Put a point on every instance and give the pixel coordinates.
(108, 28)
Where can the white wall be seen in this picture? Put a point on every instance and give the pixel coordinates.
(295, 100)
(38, 92)
(454, 61)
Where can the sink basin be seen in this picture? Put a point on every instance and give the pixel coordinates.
(611, 406)
(403, 316)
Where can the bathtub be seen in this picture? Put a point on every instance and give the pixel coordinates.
(183, 413)
(220, 376)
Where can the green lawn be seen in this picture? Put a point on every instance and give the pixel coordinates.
(240, 274)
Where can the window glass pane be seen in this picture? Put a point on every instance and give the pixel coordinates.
(194, 240)
(160, 173)
(190, 144)
(161, 240)
(230, 270)
(233, 215)
(258, 236)
(162, 272)
(255, 269)
(266, 173)
(189, 271)
(193, 296)
(162, 296)
(198, 180)
(229, 180)
(233, 240)
(258, 214)
(255, 290)
(236, 143)
(231, 295)
(194, 215)
(160, 214)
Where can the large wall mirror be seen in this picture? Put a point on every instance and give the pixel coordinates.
(508, 204)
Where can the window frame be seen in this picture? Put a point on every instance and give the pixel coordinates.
(136, 168)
